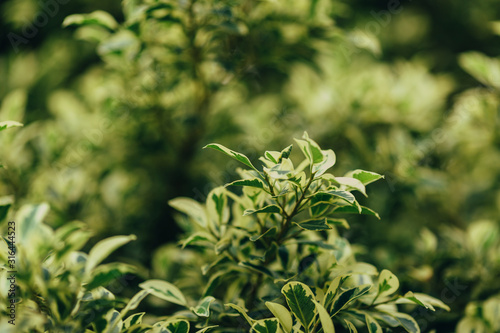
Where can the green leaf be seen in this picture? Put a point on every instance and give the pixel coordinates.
(314, 149)
(304, 147)
(354, 210)
(257, 268)
(191, 208)
(351, 184)
(320, 160)
(328, 161)
(344, 195)
(222, 245)
(326, 321)
(339, 222)
(285, 153)
(134, 302)
(387, 319)
(322, 244)
(333, 289)
(269, 233)
(29, 218)
(104, 248)
(491, 312)
(276, 173)
(73, 236)
(203, 307)
(327, 196)
(423, 300)
(242, 312)
(99, 293)
(97, 17)
(346, 297)
(220, 261)
(217, 207)
(265, 326)
(198, 237)
(123, 42)
(307, 262)
(105, 274)
(388, 283)
(300, 300)
(272, 156)
(5, 204)
(284, 256)
(65, 232)
(406, 321)
(255, 182)
(137, 328)
(135, 319)
(471, 325)
(237, 156)
(351, 327)
(266, 209)
(372, 324)
(213, 283)
(114, 324)
(365, 177)
(481, 67)
(314, 224)
(9, 124)
(283, 315)
(203, 330)
(178, 326)
(165, 291)
(320, 203)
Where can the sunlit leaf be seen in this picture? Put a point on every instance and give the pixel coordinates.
(203, 307)
(314, 224)
(237, 156)
(283, 315)
(423, 300)
(9, 124)
(354, 210)
(388, 283)
(104, 248)
(266, 209)
(191, 208)
(98, 17)
(164, 290)
(255, 182)
(365, 177)
(326, 321)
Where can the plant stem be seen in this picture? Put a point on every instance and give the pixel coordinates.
(287, 221)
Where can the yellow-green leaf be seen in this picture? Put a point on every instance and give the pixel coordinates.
(283, 315)
(164, 290)
(326, 321)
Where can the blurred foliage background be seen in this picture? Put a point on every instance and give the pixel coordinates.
(118, 104)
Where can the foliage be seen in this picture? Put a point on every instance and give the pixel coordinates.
(280, 238)
(109, 138)
(279, 235)
(58, 288)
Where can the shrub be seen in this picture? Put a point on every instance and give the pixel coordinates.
(272, 256)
